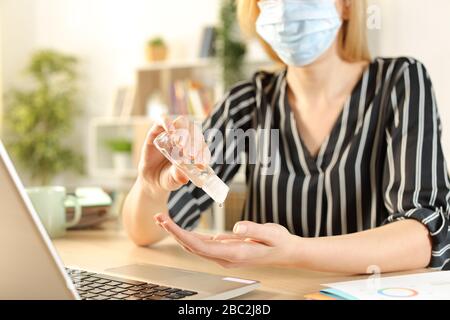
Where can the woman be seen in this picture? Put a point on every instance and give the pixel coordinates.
(360, 176)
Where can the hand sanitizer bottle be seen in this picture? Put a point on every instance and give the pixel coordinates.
(202, 176)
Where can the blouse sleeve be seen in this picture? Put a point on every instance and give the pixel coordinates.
(233, 113)
(415, 179)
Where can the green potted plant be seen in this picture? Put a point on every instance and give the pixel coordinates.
(230, 49)
(156, 49)
(39, 118)
(121, 149)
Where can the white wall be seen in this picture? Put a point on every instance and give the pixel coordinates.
(17, 19)
(421, 29)
(108, 36)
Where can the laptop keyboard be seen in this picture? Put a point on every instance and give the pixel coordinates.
(94, 286)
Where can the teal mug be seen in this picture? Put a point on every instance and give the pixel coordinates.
(48, 202)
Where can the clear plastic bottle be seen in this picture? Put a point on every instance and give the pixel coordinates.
(202, 176)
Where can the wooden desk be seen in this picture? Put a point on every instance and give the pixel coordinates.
(109, 247)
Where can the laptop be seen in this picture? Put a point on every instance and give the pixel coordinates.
(31, 269)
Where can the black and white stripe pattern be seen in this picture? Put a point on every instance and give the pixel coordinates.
(381, 163)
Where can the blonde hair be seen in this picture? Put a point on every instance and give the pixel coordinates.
(352, 38)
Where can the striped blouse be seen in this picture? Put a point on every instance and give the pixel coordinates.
(382, 162)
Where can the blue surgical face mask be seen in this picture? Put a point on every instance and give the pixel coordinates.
(299, 31)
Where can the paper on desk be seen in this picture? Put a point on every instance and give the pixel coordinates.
(423, 286)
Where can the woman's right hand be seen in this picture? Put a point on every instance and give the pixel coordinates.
(156, 172)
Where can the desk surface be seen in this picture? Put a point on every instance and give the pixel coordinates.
(109, 247)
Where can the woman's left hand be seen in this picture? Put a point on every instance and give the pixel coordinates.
(250, 243)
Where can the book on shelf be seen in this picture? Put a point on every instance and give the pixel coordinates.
(188, 97)
(124, 102)
(208, 43)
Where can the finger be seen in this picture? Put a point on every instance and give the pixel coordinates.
(166, 123)
(154, 132)
(214, 249)
(224, 238)
(148, 155)
(234, 256)
(181, 122)
(178, 175)
(266, 233)
(223, 263)
(220, 237)
(229, 238)
(162, 124)
(185, 247)
(171, 178)
(159, 218)
(187, 239)
(231, 250)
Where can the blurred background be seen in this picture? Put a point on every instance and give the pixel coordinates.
(82, 80)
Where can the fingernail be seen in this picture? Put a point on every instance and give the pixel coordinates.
(163, 225)
(239, 228)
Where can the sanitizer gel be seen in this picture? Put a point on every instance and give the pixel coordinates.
(202, 176)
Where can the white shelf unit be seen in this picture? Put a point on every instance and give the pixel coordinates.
(158, 77)
(104, 129)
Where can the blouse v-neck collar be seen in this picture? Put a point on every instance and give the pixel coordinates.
(320, 161)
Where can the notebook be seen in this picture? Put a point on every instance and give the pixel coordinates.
(422, 286)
